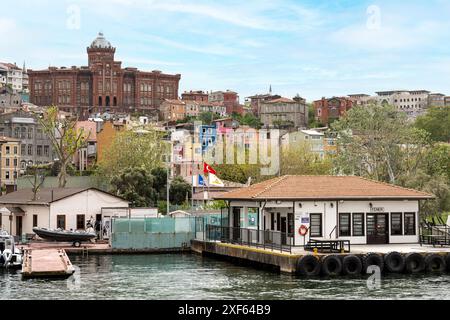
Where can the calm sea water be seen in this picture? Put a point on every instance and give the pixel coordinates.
(189, 276)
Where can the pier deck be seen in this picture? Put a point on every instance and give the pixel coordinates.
(46, 263)
(288, 262)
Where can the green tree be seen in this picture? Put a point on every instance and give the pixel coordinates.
(312, 121)
(137, 186)
(180, 191)
(144, 150)
(207, 118)
(160, 183)
(437, 122)
(378, 142)
(298, 159)
(66, 139)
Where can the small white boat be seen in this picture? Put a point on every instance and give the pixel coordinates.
(10, 256)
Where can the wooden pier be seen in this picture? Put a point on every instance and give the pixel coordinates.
(46, 263)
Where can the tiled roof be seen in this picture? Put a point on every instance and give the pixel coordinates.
(280, 100)
(322, 187)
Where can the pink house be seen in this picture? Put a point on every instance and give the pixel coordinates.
(86, 156)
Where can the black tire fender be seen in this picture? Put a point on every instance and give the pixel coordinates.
(308, 266)
(435, 263)
(394, 262)
(414, 263)
(372, 259)
(331, 265)
(351, 265)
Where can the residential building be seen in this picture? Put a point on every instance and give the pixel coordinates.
(207, 135)
(359, 210)
(447, 101)
(14, 77)
(314, 140)
(173, 110)
(10, 102)
(103, 85)
(106, 136)
(192, 108)
(329, 110)
(36, 147)
(256, 101)
(284, 113)
(362, 99)
(436, 100)
(10, 162)
(58, 208)
(198, 96)
(214, 107)
(85, 157)
(229, 99)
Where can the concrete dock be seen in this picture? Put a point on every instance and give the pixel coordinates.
(289, 262)
(46, 263)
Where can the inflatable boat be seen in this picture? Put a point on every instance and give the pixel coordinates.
(76, 237)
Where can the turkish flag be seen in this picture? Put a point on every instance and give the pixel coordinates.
(207, 169)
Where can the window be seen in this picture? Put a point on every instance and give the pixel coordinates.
(358, 225)
(30, 150)
(7, 175)
(15, 162)
(39, 151)
(272, 221)
(8, 149)
(344, 225)
(7, 162)
(30, 133)
(15, 150)
(278, 221)
(61, 222)
(315, 224)
(81, 219)
(396, 224)
(410, 224)
(35, 220)
(22, 149)
(46, 151)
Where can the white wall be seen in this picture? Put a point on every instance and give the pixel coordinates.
(27, 220)
(89, 203)
(330, 211)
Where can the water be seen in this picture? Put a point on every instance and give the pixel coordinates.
(189, 277)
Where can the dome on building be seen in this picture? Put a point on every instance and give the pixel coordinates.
(101, 42)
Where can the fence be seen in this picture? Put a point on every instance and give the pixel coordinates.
(159, 233)
(152, 233)
(265, 239)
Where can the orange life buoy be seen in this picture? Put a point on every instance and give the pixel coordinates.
(303, 230)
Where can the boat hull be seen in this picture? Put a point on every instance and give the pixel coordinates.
(62, 236)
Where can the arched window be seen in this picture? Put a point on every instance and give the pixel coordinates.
(107, 100)
(100, 101)
(115, 101)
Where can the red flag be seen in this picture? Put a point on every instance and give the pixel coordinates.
(207, 169)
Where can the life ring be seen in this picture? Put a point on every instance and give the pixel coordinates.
(303, 230)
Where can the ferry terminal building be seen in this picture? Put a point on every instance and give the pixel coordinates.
(330, 207)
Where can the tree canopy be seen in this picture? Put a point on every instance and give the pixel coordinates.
(436, 122)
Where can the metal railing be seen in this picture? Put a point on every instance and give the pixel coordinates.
(328, 246)
(435, 235)
(265, 239)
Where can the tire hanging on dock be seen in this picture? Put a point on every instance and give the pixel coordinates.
(394, 262)
(372, 259)
(352, 265)
(414, 263)
(308, 266)
(435, 263)
(331, 266)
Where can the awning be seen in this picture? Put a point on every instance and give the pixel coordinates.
(12, 210)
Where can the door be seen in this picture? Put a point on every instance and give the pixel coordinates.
(283, 230)
(236, 224)
(377, 229)
(18, 225)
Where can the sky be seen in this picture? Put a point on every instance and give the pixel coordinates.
(312, 48)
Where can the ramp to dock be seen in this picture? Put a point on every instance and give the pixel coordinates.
(46, 263)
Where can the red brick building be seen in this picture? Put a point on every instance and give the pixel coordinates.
(198, 96)
(229, 99)
(102, 86)
(328, 110)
